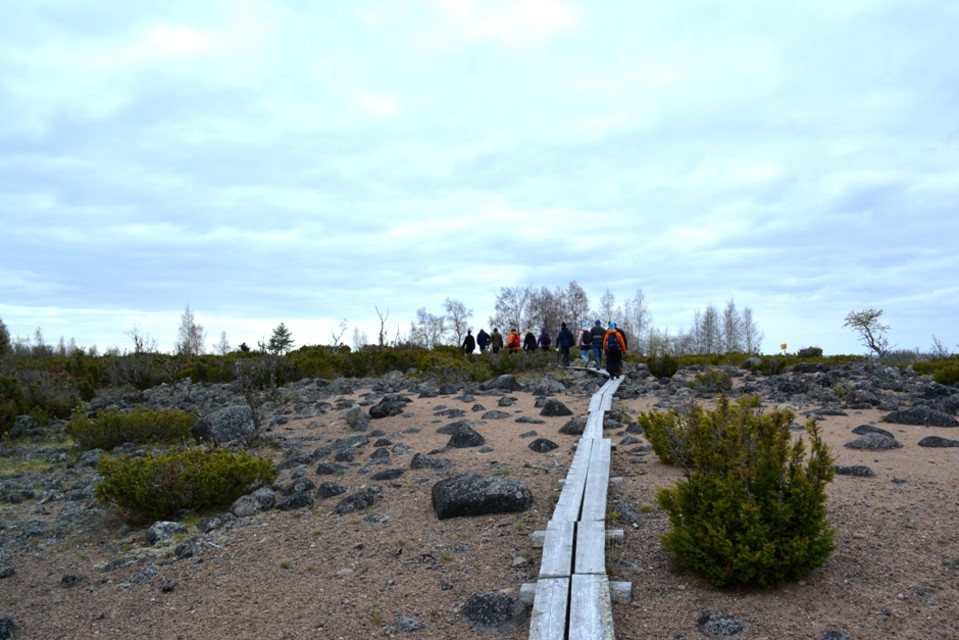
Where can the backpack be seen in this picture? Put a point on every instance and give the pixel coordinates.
(587, 338)
(612, 342)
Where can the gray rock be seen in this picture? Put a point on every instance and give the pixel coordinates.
(542, 445)
(390, 405)
(466, 437)
(874, 442)
(574, 427)
(469, 494)
(555, 408)
(362, 499)
(388, 474)
(7, 628)
(295, 502)
(163, 531)
(71, 580)
(856, 470)
(864, 429)
(329, 489)
(407, 625)
(229, 425)
(935, 442)
(921, 415)
(494, 612)
(216, 522)
(717, 625)
(495, 415)
(505, 382)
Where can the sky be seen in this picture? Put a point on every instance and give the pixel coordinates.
(312, 163)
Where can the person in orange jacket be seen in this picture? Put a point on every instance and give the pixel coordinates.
(614, 346)
(513, 341)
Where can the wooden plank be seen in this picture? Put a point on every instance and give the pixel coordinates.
(594, 426)
(591, 612)
(557, 561)
(590, 548)
(597, 483)
(548, 618)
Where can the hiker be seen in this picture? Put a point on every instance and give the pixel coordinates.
(544, 340)
(496, 340)
(529, 340)
(469, 343)
(614, 344)
(513, 341)
(597, 333)
(584, 340)
(482, 339)
(565, 340)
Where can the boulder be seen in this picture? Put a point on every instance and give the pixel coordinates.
(505, 382)
(555, 408)
(495, 612)
(390, 405)
(921, 415)
(935, 442)
(230, 425)
(469, 494)
(163, 531)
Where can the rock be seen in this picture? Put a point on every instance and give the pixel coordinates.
(575, 427)
(494, 612)
(506, 401)
(864, 429)
(215, 522)
(330, 468)
(505, 382)
(466, 437)
(329, 489)
(835, 635)
(362, 499)
(625, 511)
(469, 494)
(921, 415)
(262, 499)
(295, 502)
(163, 531)
(856, 470)
(874, 442)
(229, 425)
(6, 571)
(423, 461)
(71, 580)
(7, 628)
(717, 625)
(935, 442)
(388, 474)
(542, 445)
(407, 625)
(390, 405)
(555, 408)
(495, 415)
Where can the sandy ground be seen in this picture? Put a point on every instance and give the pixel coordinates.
(314, 574)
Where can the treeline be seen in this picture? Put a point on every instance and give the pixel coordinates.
(711, 330)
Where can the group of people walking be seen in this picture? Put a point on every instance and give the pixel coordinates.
(593, 342)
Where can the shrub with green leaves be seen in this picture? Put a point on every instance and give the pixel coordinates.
(110, 429)
(160, 487)
(752, 508)
(712, 381)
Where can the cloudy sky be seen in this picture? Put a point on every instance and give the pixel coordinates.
(308, 162)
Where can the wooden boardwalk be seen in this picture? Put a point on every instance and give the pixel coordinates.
(572, 598)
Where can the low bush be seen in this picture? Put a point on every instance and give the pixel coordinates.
(110, 429)
(752, 508)
(810, 352)
(944, 371)
(712, 381)
(162, 486)
(662, 365)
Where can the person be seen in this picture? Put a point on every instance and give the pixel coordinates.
(513, 341)
(597, 332)
(585, 342)
(496, 340)
(469, 343)
(565, 340)
(544, 340)
(614, 345)
(482, 339)
(529, 340)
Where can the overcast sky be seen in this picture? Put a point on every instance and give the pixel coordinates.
(307, 162)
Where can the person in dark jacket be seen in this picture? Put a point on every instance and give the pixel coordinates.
(469, 343)
(597, 333)
(482, 340)
(496, 340)
(529, 340)
(565, 340)
(544, 341)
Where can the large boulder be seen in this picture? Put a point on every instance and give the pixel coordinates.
(505, 382)
(469, 494)
(229, 425)
(390, 405)
(921, 415)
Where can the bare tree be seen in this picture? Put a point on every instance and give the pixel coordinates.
(222, 347)
(637, 319)
(732, 329)
(576, 303)
(752, 336)
(360, 339)
(191, 336)
(939, 350)
(142, 343)
(870, 331)
(338, 337)
(427, 330)
(512, 308)
(383, 319)
(458, 316)
(607, 305)
(547, 308)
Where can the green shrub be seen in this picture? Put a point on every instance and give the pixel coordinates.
(11, 401)
(669, 442)
(662, 365)
(948, 374)
(752, 509)
(712, 381)
(109, 429)
(810, 352)
(160, 487)
(773, 365)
